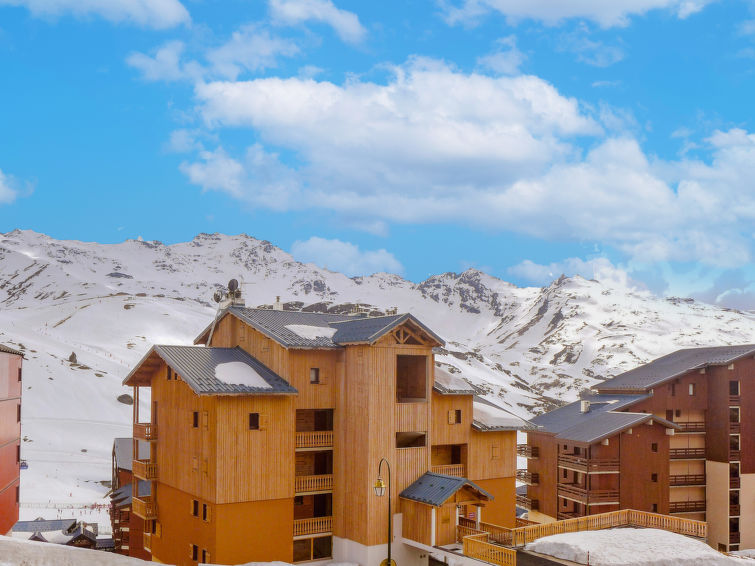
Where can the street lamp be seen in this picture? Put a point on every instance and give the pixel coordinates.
(380, 492)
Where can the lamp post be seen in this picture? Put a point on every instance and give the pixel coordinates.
(380, 491)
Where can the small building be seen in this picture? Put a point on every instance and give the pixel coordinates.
(128, 528)
(69, 532)
(10, 436)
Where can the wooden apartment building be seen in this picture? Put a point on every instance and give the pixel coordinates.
(10, 436)
(265, 441)
(127, 527)
(675, 436)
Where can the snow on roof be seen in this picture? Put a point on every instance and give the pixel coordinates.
(32, 553)
(239, 373)
(490, 417)
(447, 383)
(311, 332)
(629, 546)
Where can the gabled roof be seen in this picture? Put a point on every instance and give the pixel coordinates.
(201, 368)
(436, 489)
(489, 417)
(123, 451)
(447, 383)
(8, 350)
(43, 526)
(565, 417)
(674, 365)
(311, 330)
(122, 496)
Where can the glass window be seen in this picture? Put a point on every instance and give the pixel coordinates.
(254, 421)
(314, 375)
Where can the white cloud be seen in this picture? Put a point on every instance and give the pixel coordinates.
(505, 60)
(8, 190)
(293, 12)
(606, 13)
(600, 269)
(165, 64)
(589, 51)
(345, 257)
(159, 14)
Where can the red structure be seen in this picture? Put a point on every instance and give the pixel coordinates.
(10, 436)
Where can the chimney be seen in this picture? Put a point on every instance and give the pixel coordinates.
(277, 305)
(584, 406)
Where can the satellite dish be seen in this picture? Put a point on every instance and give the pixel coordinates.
(233, 285)
(218, 296)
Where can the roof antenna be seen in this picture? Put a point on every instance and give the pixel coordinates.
(230, 297)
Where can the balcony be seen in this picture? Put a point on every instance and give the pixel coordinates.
(144, 507)
(686, 507)
(687, 453)
(527, 503)
(733, 538)
(686, 480)
(527, 451)
(145, 469)
(574, 492)
(147, 542)
(691, 427)
(563, 515)
(313, 526)
(734, 428)
(314, 439)
(735, 456)
(145, 431)
(314, 484)
(733, 510)
(530, 478)
(734, 400)
(587, 465)
(456, 470)
(734, 482)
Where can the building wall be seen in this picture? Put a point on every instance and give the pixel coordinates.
(546, 466)
(637, 465)
(747, 511)
(10, 435)
(717, 502)
(450, 433)
(502, 510)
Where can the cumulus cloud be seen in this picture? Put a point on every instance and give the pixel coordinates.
(8, 189)
(600, 268)
(293, 12)
(345, 257)
(506, 59)
(606, 13)
(158, 14)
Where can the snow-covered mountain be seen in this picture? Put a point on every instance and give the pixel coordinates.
(527, 347)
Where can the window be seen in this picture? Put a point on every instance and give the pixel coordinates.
(566, 473)
(734, 442)
(170, 374)
(314, 375)
(18, 453)
(194, 552)
(195, 508)
(691, 388)
(576, 451)
(18, 495)
(458, 416)
(205, 556)
(654, 477)
(411, 379)
(205, 512)
(19, 374)
(564, 502)
(410, 439)
(299, 500)
(195, 419)
(654, 447)
(654, 508)
(254, 421)
(678, 413)
(454, 416)
(495, 452)
(733, 414)
(18, 413)
(734, 388)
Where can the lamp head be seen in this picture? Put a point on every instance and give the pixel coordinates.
(380, 487)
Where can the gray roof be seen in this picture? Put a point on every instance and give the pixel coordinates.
(197, 365)
(604, 418)
(435, 489)
(43, 526)
(122, 495)
(674, 365)
(123, 450)
(9, 350)
(489, 417)
(103, 543)
(337, 329)
(447, 383)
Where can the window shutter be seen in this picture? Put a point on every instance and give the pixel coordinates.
(263, 422)
(494, 452)
(194, 463)
(204, 466)
(451, 417)
(205, 420)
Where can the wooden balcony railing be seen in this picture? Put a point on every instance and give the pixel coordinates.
(735, 455)
(313, 526)
(733, 510)
(147, 541)
(527, 451)
(462, 531)
(734, 400)
(687, 453)
(734, 538)
(145, 469)
(734, 482)
(456, 470)
(145, 431)
(686, 507)
(478, 547)
(527, 503)
(691, 427)
(524, 522)
(734, 427)
(315, 439)
(681, 480)
(144, 507)
(307, 484)
(530, 478)
(585, 465)
(588, 496)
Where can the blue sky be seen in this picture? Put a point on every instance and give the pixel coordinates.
(527, 138)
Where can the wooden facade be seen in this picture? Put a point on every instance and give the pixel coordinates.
(10, 436)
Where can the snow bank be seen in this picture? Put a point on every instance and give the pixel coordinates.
(14, 552)
(311, 332)
(632, 547)
(238, 373)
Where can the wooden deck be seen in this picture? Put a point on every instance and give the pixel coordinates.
(144, 507)
(314, 439)
(145, 431)
(313, 526)
(145, 469)
(314, 484)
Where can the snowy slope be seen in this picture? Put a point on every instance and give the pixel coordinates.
(107, 303)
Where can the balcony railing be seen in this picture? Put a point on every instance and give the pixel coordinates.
(735, 455)
(734, 400)
(450, 470)
(734, 427)
(691, 427)
(145, 469)
(530, 478)
(307, 484)
(733, 510)
(527, 451)
(681, 480)
(145, 431)
(144, 507)
(687, 453)
(315, 439)
(733, 538)
(147, 542)
(686, 507)
(588, 465)
(588, 496)
(313, 526)
(734, 482)
(527, 503)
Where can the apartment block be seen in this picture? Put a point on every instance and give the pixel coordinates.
(10, 435)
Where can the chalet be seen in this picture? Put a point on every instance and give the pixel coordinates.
(127, 527)
(10, 436)
(675, 436)
(68, 532)
(267, 436)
